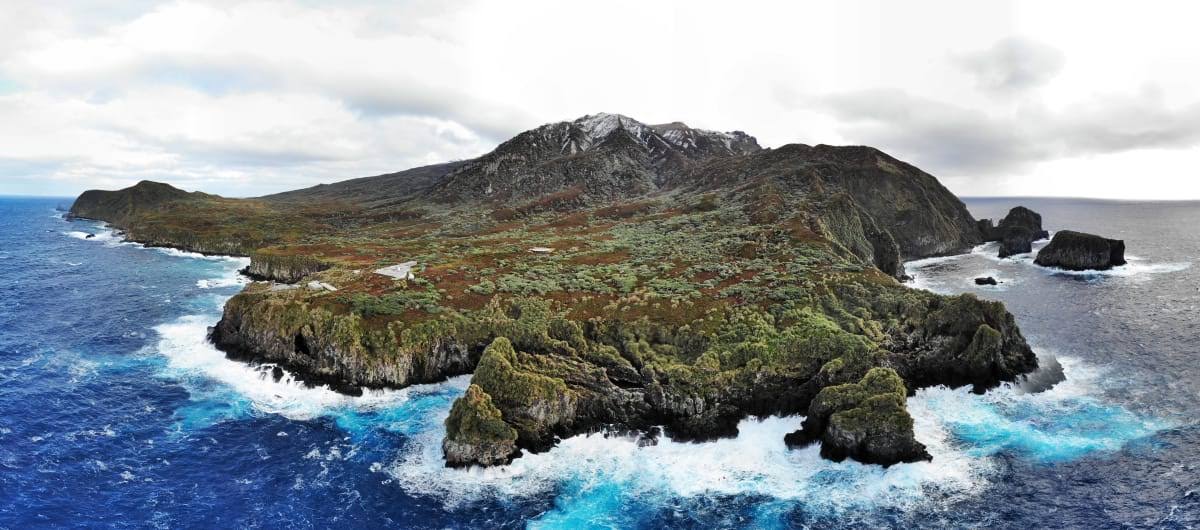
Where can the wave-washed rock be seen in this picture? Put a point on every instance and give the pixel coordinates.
(1079, 251)
(1016, 232)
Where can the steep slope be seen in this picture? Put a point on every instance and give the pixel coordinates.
(920, 215)
(603, 156)
(119, 207)
(376, 191)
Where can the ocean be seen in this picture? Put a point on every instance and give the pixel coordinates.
(116, 413)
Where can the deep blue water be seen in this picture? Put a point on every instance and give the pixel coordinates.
(115, 412)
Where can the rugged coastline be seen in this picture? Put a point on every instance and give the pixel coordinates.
(695, 279)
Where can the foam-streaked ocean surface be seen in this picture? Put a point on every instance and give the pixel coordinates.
(116, 412)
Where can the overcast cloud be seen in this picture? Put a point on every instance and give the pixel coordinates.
(246, 98)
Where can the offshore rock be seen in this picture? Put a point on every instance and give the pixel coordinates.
(1016, 232)
(986, 280)
(866, 421)
(1016, 240)
(1078, 251)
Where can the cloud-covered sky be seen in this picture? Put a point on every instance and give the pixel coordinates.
(247, 98)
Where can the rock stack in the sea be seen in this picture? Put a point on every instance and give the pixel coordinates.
(1016, 232)
(1078, 251)
(866, 421)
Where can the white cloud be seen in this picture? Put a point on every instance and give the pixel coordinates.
(254, 97)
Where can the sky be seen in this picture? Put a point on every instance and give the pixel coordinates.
(1090, 99)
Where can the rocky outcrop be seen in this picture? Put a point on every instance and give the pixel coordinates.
(476, 434)
(341, 350)
(866, 421)
(1016, 232)
(271, 266)
(964, 340)
(136, 211)
(1017, 240)
(588, 382)
(1079, 251)
(985, 280)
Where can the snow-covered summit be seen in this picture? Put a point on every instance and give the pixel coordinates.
(594, 128)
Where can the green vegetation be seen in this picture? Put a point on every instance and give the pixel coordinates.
(475, 419)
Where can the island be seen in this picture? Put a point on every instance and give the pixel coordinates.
(604, 274)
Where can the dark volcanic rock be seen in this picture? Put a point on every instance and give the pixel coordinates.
(866, 421)
(1022, 217)
(987, 280)
(1016, 232)
(1079, 251)
(1016, 240)
(965, 341)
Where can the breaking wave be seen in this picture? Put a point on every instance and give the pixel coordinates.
(599, 477)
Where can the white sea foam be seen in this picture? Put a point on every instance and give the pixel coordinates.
(756, 462)
(955, 274)
(961, 430)
(184, 342)
(233, 279)
(196, 255)
(100, 235)
(1133, 267)
(1062, 423)
(928, 262)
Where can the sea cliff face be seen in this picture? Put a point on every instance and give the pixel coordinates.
(342, 350)
(683, 280)
(267, 266)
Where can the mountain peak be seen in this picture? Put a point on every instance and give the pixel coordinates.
(605, 154)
